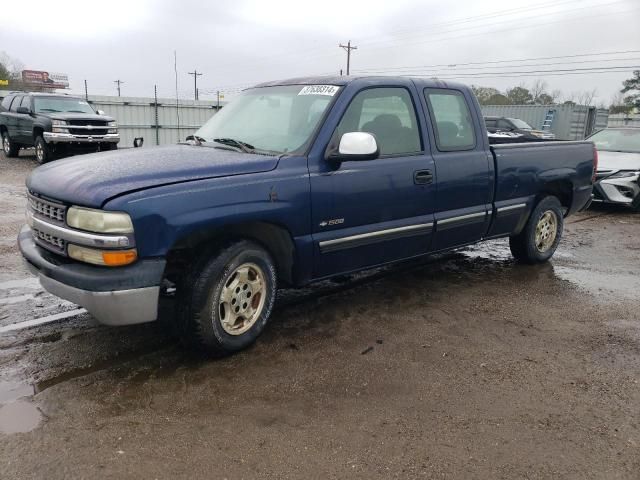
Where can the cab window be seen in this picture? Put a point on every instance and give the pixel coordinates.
(453, 122)
(388, 114)
(26, 102)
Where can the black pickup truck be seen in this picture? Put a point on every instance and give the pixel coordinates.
(56, 125)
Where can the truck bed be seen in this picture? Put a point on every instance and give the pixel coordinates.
(521, 170)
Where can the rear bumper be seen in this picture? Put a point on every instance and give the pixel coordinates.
(114, 296)
(50, 137)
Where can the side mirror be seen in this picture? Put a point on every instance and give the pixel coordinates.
(23, 110)
(100, 112)
(356, 146)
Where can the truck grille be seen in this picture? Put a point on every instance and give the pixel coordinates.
(44, 208)
(93, 123)
(88, 131)
(49, 241)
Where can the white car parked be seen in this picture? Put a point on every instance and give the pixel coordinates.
(618, 174)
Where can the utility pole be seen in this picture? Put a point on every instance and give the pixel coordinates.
(347, 48)
(218, 105)
(195, 82)
(86, 92)
(118, 82)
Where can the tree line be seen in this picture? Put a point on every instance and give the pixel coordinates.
(625, 101)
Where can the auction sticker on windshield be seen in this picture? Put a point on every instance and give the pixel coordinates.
(329, 90)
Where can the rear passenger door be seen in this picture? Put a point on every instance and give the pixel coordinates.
(25, 123)
(366, 213)
(463, 167)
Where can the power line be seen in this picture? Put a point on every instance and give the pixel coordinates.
(195, 82)
(458, 64)
(455, 68)
(422, 31)
(520, 27)
(347, 48)
(620, 68)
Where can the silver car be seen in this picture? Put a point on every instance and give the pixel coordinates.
(618, 174)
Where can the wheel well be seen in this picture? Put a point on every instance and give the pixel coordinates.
(274, 238)
(561, 189)
(3, 129)
(37, 131)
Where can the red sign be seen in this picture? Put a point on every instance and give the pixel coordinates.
(45, 79)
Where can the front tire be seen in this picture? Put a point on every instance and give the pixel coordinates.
(225, 302)
(9, 148)
(43, 152)
(540, 237)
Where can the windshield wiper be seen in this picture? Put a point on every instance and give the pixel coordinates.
(76, 111)
(48, 110)
(198, 140)
(245, 147)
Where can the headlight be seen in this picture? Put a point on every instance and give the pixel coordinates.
(624, 175)
(59, 126)
(109, 258)
(112, 124)
(99, 221)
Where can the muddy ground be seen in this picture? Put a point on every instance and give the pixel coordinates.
(466, 366)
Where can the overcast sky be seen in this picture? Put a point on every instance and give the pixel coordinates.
(240, 42)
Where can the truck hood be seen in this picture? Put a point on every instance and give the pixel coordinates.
(618, 160)
(91, 180)
(76, 116)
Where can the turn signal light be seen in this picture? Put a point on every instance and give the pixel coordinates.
(109, 258)
(121, 257)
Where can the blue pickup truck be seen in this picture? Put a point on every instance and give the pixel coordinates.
(293, 182)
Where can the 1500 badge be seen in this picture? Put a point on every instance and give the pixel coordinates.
(333, 221)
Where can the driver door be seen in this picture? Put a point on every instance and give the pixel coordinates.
(367, 213)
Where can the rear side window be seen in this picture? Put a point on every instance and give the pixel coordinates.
(16, 103)
(453, 123)
(6, 103)
(387, 113)
(26, 102)
(490, 122)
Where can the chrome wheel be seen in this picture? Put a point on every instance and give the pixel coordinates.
(242, 299)
(546, 231)
(39, 152)
(6, 144)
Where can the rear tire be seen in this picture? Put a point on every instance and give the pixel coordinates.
(540, 237)
(225, 301)
(43, 152)
(9, 148)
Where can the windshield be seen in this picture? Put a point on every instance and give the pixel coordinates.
(59, 104)
(622, 140)
(521, 124)
(271, 119)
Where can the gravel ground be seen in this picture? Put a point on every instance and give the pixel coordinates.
(465, 366)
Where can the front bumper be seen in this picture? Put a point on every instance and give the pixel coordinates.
(114, 296)
(50, 137)
(621, 191)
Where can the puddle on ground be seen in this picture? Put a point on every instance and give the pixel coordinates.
(615, 285)
(19, 417)
(10, 391)
(17, 413)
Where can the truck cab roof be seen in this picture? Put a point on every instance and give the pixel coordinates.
(372, 80)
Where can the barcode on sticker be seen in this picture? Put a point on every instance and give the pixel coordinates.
(319, 90)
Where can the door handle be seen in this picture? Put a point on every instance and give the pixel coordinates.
(422, 177)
